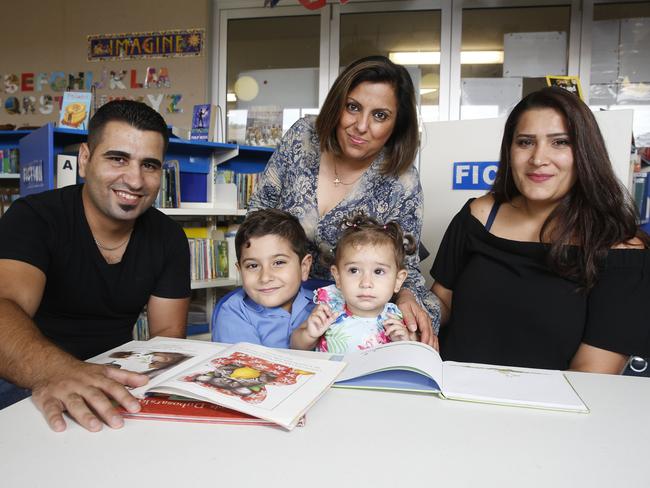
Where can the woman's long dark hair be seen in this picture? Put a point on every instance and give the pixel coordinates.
(597, 212)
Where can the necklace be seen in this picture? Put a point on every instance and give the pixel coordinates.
(337, 181)
(104, 248)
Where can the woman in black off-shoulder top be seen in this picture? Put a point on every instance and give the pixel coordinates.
(548, 270)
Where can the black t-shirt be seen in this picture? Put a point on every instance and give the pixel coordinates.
(509, 308)
(88, 305)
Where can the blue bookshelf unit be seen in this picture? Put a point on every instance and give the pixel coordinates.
(9, 139)
(195, 161)
(38, 152)
(39, 148)
(250, 159)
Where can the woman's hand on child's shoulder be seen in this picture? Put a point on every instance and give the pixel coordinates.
(396, 330)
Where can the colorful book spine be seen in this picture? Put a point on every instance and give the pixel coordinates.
(14, 160)
(8, 160)
(209, 258)
(141, 328)
(245, 182)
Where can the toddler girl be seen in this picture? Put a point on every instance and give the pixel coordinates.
(356, 313)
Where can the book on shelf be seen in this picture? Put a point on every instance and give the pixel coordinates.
(7, 197)
(169, 195)
(141, 327)
(264, 126)
(208, 259)
(203, 122)
(569, 83)
(245, 183)
(198, 314)
(9, 160)
(181, 409)
(252, 379)
(196, 231)
(75, 110)
(641, 194)
(417, 367)
(66, 170)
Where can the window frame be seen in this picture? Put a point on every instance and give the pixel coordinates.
(451, 19)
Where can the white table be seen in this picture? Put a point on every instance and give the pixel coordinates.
(353, 439)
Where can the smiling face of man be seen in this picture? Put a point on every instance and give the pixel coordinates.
(122, 173)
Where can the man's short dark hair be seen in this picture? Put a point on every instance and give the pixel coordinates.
(272, 221)
(137, 114)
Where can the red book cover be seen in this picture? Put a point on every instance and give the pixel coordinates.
(178, 409)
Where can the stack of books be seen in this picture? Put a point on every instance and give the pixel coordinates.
(141, 327)
(209, 257)
(9, 160)
(169, 195)
(245, 182)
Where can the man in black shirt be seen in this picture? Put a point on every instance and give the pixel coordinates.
(77, 265)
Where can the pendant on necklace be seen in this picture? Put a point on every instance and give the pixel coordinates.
(337, 182)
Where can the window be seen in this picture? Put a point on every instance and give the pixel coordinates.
(411, 38)
(272, 76)
(620, 67)
(506, 53)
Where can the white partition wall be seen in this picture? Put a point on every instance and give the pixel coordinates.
(458, 160)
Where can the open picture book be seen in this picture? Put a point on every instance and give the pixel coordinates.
(251, 379)
(417, 367)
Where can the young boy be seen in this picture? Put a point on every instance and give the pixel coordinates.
(273, 262)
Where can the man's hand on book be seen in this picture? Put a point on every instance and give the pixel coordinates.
(85, 392)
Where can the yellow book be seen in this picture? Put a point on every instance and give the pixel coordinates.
(196, 232)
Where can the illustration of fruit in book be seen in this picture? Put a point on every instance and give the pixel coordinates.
(246, 376)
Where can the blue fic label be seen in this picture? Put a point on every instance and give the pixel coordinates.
(474, 175)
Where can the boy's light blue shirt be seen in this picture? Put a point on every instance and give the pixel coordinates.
(240, 319)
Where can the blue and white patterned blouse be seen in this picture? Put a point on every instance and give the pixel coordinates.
(289, 183)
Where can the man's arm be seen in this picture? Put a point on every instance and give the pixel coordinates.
(59, 382)
(167, 316)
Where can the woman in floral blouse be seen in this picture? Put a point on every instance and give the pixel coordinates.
(356, 156)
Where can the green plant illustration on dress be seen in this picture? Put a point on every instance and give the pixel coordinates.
(337, 339)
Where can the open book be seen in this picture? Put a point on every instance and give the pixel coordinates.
(252, 379)
(413, 366)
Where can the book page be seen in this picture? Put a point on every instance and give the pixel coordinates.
(159, 358)
(538, 388)
(256, 380)
(405, 355)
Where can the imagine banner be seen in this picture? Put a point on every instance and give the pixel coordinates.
(146, 44)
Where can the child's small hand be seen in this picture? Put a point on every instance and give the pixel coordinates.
(396, 330)
(319, 320)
